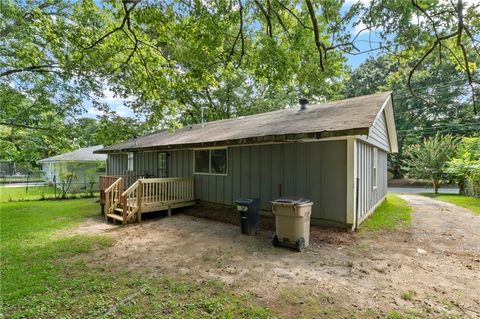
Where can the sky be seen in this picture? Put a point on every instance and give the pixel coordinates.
(362, 42)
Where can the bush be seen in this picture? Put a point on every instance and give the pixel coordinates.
(464, 167)
(428, 160)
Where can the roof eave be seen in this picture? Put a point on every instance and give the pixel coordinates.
(285, 138)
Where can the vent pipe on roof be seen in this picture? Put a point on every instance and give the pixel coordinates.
(303, 103)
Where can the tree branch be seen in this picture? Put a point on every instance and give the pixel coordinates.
(267, 17)
(320, 45)
(32, 68)
(294, 15)
(125, 20)
(26, 126)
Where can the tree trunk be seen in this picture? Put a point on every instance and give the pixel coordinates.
(436, 185)
(461, 187)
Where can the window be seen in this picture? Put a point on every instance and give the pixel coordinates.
(374, 170)
(130, 162)
(218, 161)
(202, 161)
(162, 164)
(210, 162)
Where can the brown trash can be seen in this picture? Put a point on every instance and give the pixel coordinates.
(292, 222)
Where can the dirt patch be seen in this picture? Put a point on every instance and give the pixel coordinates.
(431, 270)
(91, 226)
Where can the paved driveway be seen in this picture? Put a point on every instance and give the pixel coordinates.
(417, 190)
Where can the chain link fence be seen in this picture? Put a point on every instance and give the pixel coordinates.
(42, 190)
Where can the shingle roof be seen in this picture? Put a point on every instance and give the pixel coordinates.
(82, 155)
(338, 118)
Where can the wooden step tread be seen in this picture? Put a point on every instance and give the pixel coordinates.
(115, 216)
(119, 210)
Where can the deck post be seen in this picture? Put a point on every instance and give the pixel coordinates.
(107, 205)
(139, 201)
(169, 210)
(123, 200)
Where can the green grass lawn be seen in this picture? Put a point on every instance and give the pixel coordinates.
(21, 193)
(32, 193)
(393, 214)
(44, 273)
(468, 202)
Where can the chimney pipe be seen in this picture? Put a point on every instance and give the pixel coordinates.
(303, 103)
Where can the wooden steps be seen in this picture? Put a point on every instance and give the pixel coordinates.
(116, 217)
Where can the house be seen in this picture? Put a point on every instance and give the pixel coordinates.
(333, 153)
(85, 165)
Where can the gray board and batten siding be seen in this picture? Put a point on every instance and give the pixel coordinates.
(369, 194)
(315, 170)
(378, 134)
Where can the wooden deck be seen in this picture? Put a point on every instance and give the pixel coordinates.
(145, 195)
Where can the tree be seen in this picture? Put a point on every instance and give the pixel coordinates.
(372, 76)
(428, 160)
(417, 30)
(66, 180)
(465, 164)
(440, 106)
(115, 129)
(170, 59)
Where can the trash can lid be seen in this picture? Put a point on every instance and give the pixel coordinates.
(245, 201)
(292, 200)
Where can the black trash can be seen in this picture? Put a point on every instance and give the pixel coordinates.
(249, 209)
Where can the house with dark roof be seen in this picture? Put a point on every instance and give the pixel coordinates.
(333, 153)
(82, 162)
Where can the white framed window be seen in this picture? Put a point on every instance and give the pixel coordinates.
(130, 162)
(210, 161)
(374, 168)
(162, 164)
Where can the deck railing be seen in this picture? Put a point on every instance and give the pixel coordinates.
(166, 190)
(113, 195)
(145, 195)
(106, 181)
(132, 202)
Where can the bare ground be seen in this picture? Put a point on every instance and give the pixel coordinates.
(432, 270)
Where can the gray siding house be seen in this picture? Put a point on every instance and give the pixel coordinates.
(333, 153)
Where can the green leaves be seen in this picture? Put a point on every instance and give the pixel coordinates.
(428, 159)
(466, 162)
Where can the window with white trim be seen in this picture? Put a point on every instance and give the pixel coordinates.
(374, 167)
(212, 161)
(130, 162)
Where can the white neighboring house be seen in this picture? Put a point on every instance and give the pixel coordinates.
(82, 162)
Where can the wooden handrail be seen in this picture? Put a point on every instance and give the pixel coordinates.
(165, 179)
(131, 200)
(112, 196)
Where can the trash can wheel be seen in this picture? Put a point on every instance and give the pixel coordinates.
(275, 240)
(300, 244)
